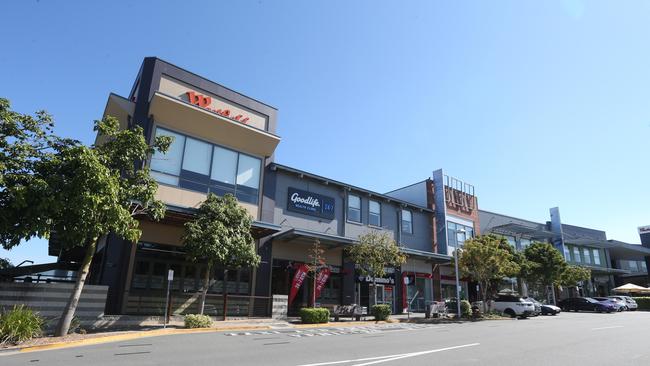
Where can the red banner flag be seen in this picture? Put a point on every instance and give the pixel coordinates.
(298, 279)
(321, 280)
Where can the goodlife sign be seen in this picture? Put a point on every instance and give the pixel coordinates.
(309, 203)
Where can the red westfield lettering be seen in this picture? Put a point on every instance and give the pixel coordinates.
(205, 102)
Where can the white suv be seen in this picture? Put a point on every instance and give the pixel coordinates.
(513, 306)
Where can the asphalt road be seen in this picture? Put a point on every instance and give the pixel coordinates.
(567, 339)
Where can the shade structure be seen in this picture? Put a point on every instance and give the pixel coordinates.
(631, 288)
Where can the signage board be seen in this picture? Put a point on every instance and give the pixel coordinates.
(309, 203)
(170, 275)
(644, 230)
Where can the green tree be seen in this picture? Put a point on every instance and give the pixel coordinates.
(82, 193)
(373, 252)
(485, 259)
(574, 274)
(220, 235)
(5, 263)
(24, 141)
(544, 265)
(316, 265)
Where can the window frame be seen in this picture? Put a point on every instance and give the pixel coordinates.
(348, 208)
(210, 187)
(370, 213)
(410, 232)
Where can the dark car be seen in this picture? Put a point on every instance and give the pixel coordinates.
(544, 309)
(586, 304)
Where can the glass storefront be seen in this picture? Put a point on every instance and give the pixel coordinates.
(418, 291)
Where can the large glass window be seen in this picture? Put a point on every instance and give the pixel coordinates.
(197, 156)
(644, 267)
(576, 255)
(200, 166)
(374, 213)
(596, 256)
(567, 253)
(457, 234)
(167, 167)
(587, 255)
(354, 208)
(407, 222)
(523, 243)
(634, 267)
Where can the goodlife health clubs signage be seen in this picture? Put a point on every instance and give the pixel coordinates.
(310, 203)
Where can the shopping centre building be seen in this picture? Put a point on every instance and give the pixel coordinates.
(224, 143)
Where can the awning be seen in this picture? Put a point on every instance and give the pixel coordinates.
(617, 249)
(515, 229)
(308, 237)
(430, 257)
(185, 117)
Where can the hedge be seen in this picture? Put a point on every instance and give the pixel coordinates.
(465, 309)
(381, 312)
(643, 302)
(314, 315)
(197, 321)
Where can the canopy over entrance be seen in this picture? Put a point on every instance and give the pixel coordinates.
(631, 288)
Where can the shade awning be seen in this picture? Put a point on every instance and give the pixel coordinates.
(308, 237)
(427, 256)
(631, 288)
(515, 229)
(191, 119)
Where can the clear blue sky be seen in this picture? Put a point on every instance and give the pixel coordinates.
(538, 104)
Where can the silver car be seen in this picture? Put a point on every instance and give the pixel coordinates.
(629, 302)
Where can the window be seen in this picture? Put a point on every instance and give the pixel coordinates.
(197, 157)
(523, 243)
(354, 208)
(576, 255)
(167, 167)
(596, 256)
(512, 241)
(200, 166)
(457, 233)
(567, 253)
(248, 178)
(407, 222)
(644, 267)
(374, 213)
(634, 266)
(587, 255)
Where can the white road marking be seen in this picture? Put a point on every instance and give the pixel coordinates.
(612, 327)
(380, 359)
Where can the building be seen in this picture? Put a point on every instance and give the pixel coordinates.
(456, 220)
(224, 142)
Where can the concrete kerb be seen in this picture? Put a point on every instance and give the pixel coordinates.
(172, 331)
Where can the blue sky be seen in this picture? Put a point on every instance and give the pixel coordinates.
(538, 104)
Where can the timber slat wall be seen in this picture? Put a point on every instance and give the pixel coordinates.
(49, 299)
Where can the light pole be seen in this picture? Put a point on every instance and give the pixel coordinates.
(459, 234)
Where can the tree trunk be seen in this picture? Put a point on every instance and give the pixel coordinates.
(206, 285)
(484, 297)
(225, 294)
(313, 291)
(70, 308)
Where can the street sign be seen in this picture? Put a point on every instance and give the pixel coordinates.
(170, 275)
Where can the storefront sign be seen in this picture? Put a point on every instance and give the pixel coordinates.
(308, 203)
(211, 102)
(378, 280)
(206, 103)
(298, 279)
(321, 280)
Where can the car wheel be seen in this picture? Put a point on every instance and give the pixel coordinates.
(511, 313)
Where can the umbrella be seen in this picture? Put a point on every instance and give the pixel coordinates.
(631, 289)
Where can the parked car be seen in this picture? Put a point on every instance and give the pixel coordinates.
(620, 305)
(544, 309)
(630, 304)
(513, 306)
(586, 304)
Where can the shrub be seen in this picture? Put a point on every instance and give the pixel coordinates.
(465, 309)
(314, 315)
(20, 324)
(197, 321)
(643, 302)
(381, 312)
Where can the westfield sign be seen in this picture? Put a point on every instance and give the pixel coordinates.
(205, 102)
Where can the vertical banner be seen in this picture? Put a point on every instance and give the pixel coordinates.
(298, 279)
(321, 280)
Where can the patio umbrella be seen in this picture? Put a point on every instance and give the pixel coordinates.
(631, 288)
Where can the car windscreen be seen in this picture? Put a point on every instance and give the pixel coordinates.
(590, 299)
